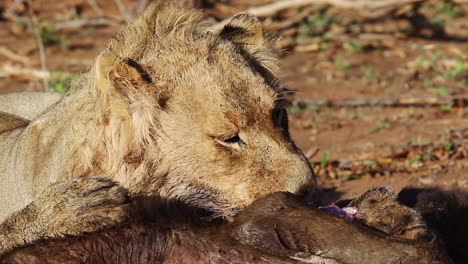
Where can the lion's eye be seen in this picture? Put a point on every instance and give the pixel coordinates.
(233, 141)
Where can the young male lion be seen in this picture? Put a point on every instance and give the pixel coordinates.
(168, 110)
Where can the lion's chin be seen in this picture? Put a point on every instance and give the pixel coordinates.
(207, 203)
(216, 206)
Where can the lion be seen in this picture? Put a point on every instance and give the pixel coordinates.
(27, 105)
(168, 110)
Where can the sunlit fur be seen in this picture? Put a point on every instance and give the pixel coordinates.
(153, 112)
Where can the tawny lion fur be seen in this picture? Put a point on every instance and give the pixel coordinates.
(167, 110)
(28, 105)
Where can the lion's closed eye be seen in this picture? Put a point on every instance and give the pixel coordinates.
(230, 140)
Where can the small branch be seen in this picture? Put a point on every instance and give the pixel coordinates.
(10, 12)
(96, 7)
(122, 9)
(293, 19)
(88, 22)
(273, 8)
(312, 152)
(394, 102)
(15, 57)
(40, 44)
(8, 70)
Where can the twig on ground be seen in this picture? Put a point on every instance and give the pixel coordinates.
(14, 56)
(8, 70)
(273, 8)
(88, 22)
(285, 43)
(311, 153)
(394, 102)
(96, 7)
(122, 9)
(293, 19)
(10, 12)
(34, 27)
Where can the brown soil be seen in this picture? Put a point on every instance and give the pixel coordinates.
(364, 134)
(350, 134)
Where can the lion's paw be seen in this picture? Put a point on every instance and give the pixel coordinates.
(83, 204)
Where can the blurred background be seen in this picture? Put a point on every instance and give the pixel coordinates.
(377, 88)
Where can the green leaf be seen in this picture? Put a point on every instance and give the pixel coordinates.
(324, 162)
(448, 145)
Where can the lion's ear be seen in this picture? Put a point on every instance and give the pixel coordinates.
(244, 29)
(119, 73)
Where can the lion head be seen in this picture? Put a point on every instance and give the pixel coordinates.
(194, 115)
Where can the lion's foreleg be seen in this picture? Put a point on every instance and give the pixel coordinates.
(21, 228)
(83, 204)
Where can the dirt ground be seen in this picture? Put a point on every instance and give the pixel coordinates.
(351, 148)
